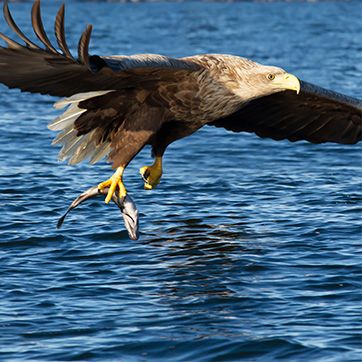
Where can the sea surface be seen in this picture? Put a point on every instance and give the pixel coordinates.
(250, 249)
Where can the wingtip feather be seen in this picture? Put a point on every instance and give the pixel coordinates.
(14, 27)
(39, 27)
(60, 34)
(12, 44)
(83, 46)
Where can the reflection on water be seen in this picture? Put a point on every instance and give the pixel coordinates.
(198, 256)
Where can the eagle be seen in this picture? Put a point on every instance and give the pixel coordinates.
(116, 105)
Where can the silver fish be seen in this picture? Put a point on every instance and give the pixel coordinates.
(126, 205)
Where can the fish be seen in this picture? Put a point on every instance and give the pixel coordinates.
(126, 205)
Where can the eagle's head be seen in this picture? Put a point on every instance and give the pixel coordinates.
(250, 80)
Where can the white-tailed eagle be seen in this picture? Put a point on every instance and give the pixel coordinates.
(118, 104)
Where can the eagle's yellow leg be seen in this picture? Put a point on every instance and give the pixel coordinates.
(152, 174)
(112, 183)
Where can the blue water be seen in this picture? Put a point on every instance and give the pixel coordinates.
(250, 248)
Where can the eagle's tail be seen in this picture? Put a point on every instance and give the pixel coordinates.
(84, 129)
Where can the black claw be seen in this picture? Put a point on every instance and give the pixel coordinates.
(146, 175)
(143, 177)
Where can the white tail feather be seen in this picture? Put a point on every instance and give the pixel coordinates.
(84, 148)
(77, 148)
(62, 137)
(66, 120)
(102, 151)
(79, 97)
(82, 153)
(69, 148)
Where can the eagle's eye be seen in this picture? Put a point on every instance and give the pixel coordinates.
(271, 76)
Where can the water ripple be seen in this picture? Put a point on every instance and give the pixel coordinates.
(249, 248)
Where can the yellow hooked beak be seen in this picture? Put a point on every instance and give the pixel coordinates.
(289, 81)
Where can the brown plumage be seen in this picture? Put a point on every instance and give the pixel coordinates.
(315, 115)
(118, 104)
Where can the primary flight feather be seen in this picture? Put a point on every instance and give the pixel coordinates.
(118, 104)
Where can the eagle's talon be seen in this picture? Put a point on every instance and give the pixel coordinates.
(144, 173)
(114, 182)
(122, 192)
(151, 175)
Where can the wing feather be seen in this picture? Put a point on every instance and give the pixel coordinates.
(49, 71)
(10, 43)
(39, 28)
(59, 33)
(316, 115)
(83, 46)
(13, 26)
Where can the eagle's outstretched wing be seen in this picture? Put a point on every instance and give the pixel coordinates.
(47, 70)
(114, 107)
(316, 115)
